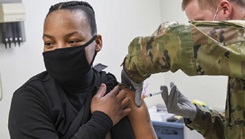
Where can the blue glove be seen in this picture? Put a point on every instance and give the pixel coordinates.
(136, 87)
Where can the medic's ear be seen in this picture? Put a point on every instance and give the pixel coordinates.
(98, 43)
(226, 9)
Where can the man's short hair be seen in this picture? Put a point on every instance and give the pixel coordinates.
(239, 2)
(203, 4)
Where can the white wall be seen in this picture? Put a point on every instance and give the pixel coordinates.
(118, 22)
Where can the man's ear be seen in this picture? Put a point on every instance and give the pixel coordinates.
(226, 8)
(98, 41)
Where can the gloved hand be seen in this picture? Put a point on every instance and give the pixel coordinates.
(136, 87)
(177, 103)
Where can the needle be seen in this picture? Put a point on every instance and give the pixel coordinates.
(145, 95)
(151, 94)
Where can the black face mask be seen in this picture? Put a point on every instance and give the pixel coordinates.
(68, 66)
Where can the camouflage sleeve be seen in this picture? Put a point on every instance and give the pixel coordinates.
(199, 48)
(209, 123)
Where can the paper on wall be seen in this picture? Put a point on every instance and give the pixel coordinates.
(1, 92)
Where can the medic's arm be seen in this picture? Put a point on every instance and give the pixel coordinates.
(200, 48)
(209, 123)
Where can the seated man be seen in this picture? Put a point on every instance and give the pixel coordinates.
(69, 99)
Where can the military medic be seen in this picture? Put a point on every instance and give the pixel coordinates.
(203, 47)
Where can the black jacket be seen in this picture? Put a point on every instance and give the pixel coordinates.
(42, 109)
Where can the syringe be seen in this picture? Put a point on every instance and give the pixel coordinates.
(155, 93)
(151, 94)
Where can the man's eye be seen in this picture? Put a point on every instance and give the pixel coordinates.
(72, 42)
(47, 43)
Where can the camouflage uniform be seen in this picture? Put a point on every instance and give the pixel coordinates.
(199, 48)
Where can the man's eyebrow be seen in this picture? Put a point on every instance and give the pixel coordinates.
(67, 35)
(73, 33)
(48, 36)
